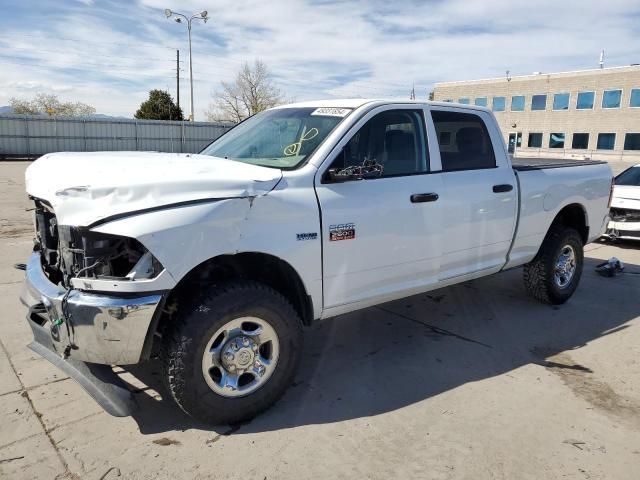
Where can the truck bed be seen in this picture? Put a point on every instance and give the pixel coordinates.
(523, 163)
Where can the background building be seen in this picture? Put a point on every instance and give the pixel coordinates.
(583, 114)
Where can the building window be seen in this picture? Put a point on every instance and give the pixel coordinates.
(539, 102)
(556, 140)
(498, 104)
(561, 101)
(611, 98)
(585, 100)
(606, 141)
(464, 101)
(481, 101)
(535, 140)
(632, 141)
(517, 103)
(634, 101)
(580, 141)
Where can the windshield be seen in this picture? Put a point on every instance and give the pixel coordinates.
(630, 176)
(279, 138)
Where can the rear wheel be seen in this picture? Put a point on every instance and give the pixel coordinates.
(553, 275)
(232, 353)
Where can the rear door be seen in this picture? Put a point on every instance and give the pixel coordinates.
(381, 236)
(479, 192)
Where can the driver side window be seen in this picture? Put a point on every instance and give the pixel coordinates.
(394, 139)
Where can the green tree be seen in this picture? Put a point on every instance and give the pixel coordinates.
(159, 106)
(49, 104)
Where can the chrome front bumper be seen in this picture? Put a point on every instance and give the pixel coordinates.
(95, 328)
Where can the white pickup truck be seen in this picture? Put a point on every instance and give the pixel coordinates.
(216, 261)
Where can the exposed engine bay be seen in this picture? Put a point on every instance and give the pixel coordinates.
(69, 252)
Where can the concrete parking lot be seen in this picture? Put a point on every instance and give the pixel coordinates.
(476, 381)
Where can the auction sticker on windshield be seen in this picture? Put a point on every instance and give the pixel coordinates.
(331, 112)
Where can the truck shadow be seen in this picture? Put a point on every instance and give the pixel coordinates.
(404, 352)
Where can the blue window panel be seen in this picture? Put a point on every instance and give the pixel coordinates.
(517, 103)
(464, 101)
(539, 102)
(585, 100)
(498, 104)
(632, 142)
(611, 98)
(535, 140)
(561, 101)
(606, 141)
(556, 140)
(634, 101)
(481, 101)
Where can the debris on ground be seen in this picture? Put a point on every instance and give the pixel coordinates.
(164, 441)
(610, 268)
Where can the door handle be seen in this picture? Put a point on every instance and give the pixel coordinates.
(505, 187)
(424, 197)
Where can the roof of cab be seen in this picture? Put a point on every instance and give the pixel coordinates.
(359, 102)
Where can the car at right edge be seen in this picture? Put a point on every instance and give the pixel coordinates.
(625, 206)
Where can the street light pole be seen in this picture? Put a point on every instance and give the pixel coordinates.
(196, 16)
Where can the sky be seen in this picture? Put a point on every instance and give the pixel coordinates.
(110, 53)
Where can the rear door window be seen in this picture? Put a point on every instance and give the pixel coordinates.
(469, 146)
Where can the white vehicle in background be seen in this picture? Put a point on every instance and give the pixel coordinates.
(303, 212)
(625, 206)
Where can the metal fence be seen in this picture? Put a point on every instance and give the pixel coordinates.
(29, 136)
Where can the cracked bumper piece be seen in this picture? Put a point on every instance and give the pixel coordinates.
(97, 331)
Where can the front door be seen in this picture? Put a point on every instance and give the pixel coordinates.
(380, 235)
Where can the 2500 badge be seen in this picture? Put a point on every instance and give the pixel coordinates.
(343, 231)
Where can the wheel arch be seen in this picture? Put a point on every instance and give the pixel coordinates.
(573, 215)
(257, 266)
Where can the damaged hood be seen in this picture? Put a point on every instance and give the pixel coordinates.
(626, 196)
(84, 188)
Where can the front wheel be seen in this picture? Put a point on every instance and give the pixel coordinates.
(553, 275)
(231, 354)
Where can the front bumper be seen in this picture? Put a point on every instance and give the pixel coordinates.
(623, 230)
(94, 332)
(104, 329)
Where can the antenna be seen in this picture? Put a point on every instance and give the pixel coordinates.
(602, 58)
(508, 75)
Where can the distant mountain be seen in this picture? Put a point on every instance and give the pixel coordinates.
(5, 109)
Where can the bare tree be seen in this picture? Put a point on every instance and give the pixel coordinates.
(49, 104)
(251, 92)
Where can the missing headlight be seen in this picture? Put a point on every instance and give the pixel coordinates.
(87, 254)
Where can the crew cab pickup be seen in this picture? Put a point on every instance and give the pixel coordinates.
(216, 261)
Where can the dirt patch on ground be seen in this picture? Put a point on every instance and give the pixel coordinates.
(583, 382)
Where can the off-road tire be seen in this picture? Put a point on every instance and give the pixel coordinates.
(194, 323)
(538, 274)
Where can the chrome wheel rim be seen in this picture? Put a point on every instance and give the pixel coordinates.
(565, 267)
(240, 357)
